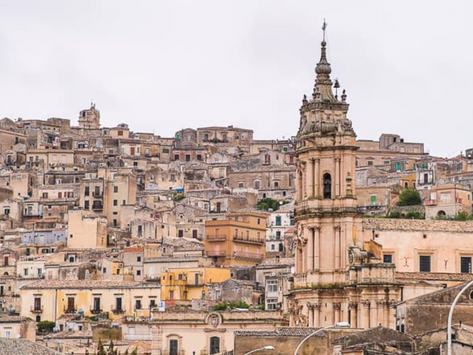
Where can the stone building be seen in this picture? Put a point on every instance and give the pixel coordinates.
(239, 239)
(448, 200)
(89, 118)
(186, 333)
(337, 277)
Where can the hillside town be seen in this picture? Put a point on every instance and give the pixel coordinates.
(215, 242)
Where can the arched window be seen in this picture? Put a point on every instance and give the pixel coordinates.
(327, 185)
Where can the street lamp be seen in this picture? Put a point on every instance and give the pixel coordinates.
(450, 316)
(336, 325)
(267, 347)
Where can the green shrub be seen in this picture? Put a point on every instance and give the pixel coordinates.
(414, 215)
(394, 214)
(409, 197)
(268, 203)
(45, 326)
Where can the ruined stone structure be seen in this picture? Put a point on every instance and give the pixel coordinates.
(89, 118)
(338, 276)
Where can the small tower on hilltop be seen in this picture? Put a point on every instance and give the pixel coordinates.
(89, 118)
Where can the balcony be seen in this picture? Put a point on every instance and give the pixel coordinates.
(430, 203)
(37, 310)
(118, 311)
(247, 256)
(214, 253)
(97, 194)
(248, 240)
(216, 238)
(95, 310)
(97, 207)
(70, 310)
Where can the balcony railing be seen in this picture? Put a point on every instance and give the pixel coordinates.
(216, 238)
(248, 240)
(118, 311)
(247, 256)
(95, 310)
(97, 207)
(216, 253)
(37, 310)
(69, 310)
(97, 194)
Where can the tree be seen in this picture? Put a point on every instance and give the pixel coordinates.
(409, 197)
(268, 203)
(45, 326)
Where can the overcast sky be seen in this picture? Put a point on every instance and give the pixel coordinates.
(161, 66)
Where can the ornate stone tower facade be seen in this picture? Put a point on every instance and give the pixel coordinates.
(338, 276)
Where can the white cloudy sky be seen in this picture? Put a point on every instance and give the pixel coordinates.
(161, 66)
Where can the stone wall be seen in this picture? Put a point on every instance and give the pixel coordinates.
(392, 224)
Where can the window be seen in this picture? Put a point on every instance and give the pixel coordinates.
(276, 184)
(271, 304)
(241, 185)
(118, 303)
(115, 189)
(37, 303)
(71, 305)
(426, 178)
(137, 304)
(138, 272)
(424, 263)
(25, 272)
(373, 200)
(271, 286)
(45, 195)
(176, 156)
(115, 202)
(465, 265)
(278, 220)
(120, 133)
(327, 186)
(180, 233)
(152, 303)
(138, 258)
(398, 166)
(86, 205)
(214, 345)
(370, 163)
(173, 347)
(96, 303)
(188, 157)
(257, 184)
(387, 258)
(199, 157)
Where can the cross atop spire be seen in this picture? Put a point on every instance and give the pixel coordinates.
(324, 26)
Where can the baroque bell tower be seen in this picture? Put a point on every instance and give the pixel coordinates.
(330, 259)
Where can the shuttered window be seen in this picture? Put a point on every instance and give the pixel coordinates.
(465, 265)
(424, 263)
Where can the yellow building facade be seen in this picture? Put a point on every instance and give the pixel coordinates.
(190, 283)
(51, 299)
(240, 239)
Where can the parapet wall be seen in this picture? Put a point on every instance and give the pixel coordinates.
(392, 224)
